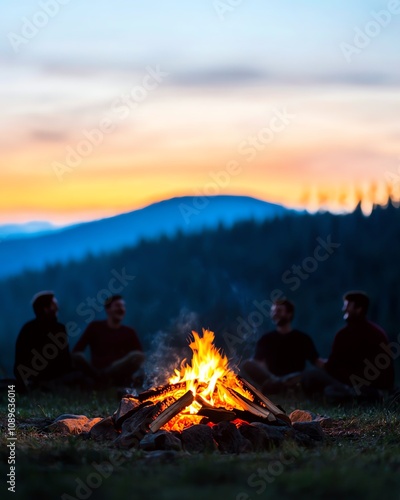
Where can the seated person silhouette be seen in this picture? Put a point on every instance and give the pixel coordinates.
(281, 355)
(42, 357)
(116, 352)
(361, 363)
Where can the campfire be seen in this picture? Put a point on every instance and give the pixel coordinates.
(205, 406)
(206, 390)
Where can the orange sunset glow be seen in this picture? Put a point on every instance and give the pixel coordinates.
(93, 132)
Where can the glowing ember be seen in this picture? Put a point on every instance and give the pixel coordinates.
(209, 378)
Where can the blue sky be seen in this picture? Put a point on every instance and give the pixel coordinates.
(274, 38)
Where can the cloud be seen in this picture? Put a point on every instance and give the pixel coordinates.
(209, 75)
(243, 76)
(358, 78)
(48, 136)
(217, 77)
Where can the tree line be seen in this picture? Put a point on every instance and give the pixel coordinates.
(225, 280)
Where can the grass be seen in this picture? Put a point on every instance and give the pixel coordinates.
(359, 460)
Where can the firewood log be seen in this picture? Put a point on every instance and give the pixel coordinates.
(163, 390)
(263, 400)
(172, 411)
(248, 405)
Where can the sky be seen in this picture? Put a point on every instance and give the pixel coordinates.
(108, 106)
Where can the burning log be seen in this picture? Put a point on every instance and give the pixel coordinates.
(120, 417)
(136, 426)
(104, 430)
(171, 412)
(205, 390)
(208, 387)
(263, 400)
(251, 407)
(214, 414)
(161, 391)
(139, 423)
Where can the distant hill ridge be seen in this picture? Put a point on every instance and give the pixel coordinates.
(186, 214)
(25, 230)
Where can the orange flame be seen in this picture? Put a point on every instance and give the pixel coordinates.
(207, 376)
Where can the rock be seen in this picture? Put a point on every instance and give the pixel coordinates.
(161, 440)
(92, 422)
(274, 436)
(229, 439)
(308, 416)
(304, 440)
(198, 439)
(311, 429)
(70, 416)
(74, 426)
(104, 430)
(302, 416)
(324, 422)
(256, 436)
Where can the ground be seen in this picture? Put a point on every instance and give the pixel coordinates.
(360, 459)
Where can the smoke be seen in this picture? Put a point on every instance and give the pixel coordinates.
(168, 349)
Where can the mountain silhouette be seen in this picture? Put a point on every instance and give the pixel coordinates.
(25, 230)
(187, 214)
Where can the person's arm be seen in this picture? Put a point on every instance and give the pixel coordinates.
(260, 359)
(259, 353)
(64, 356)
(386, 378)
(333, 365)
(261, 367)
(84, 341)
(313, 355)
(135, 342)
(320, 362)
